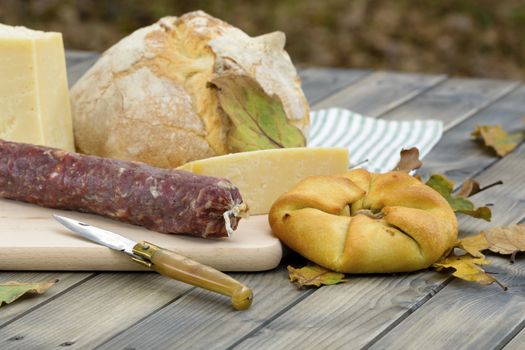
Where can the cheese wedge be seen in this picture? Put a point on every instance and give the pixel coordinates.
(34, 98)
(262, 176)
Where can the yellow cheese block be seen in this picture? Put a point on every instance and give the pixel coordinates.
(262, 176)
(34, 98)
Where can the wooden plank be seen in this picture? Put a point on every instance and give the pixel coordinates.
(318, 83)
(460, 98)
(273, 294)
(199, 321)
(465, 315)
(102, 306)
(458, 156)
(344, 316)
(19, 307)
(368, 307)
(380, 92)
(518, 342)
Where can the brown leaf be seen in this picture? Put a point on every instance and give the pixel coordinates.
(314, 275)
(502, 240)
(469, 188)
(467, 268)
(409, 160)
(498, 139)
(11, 291)
(506, 240)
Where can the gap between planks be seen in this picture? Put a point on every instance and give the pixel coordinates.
(15, 314)
(327, 81)
(144, 317)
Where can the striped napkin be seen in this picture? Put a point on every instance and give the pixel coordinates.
(377, 140)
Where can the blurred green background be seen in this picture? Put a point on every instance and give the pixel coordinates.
(483, 38)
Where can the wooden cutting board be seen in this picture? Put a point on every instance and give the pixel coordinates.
(31, 239)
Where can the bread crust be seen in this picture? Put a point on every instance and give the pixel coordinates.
(362, 222)
(149, 97)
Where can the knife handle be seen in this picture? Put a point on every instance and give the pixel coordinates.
(176, 266)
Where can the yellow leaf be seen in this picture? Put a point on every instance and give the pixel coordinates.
(11, 291)
(467, 268)
(314, 275)
(474, 245)
(498, 139)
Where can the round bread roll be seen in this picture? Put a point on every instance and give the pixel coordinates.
(363, 222)
(151, 97)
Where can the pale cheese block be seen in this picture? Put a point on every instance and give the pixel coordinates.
(262, 176)
(34, 97)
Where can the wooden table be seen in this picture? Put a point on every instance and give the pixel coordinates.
(424, 310)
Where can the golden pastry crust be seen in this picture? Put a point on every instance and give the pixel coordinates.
(362, 222)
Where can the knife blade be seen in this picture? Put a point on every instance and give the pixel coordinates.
(165, 262)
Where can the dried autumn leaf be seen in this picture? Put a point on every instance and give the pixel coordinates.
(458, 203)
(409, 160)
(258, 120)
(506, 240)
(11, 291)
(474, 245)
(498, 139)
(314, 275)
(467, 268)
(502, 240)
(479, 213)
(469, 188)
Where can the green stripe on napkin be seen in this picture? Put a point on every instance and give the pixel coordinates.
(377, 140)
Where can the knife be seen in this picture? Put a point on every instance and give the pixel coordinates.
(166, 262)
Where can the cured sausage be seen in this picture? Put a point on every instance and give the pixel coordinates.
(164, 200)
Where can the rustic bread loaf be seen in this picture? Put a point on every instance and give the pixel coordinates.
(151, 97)
(363, 222)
